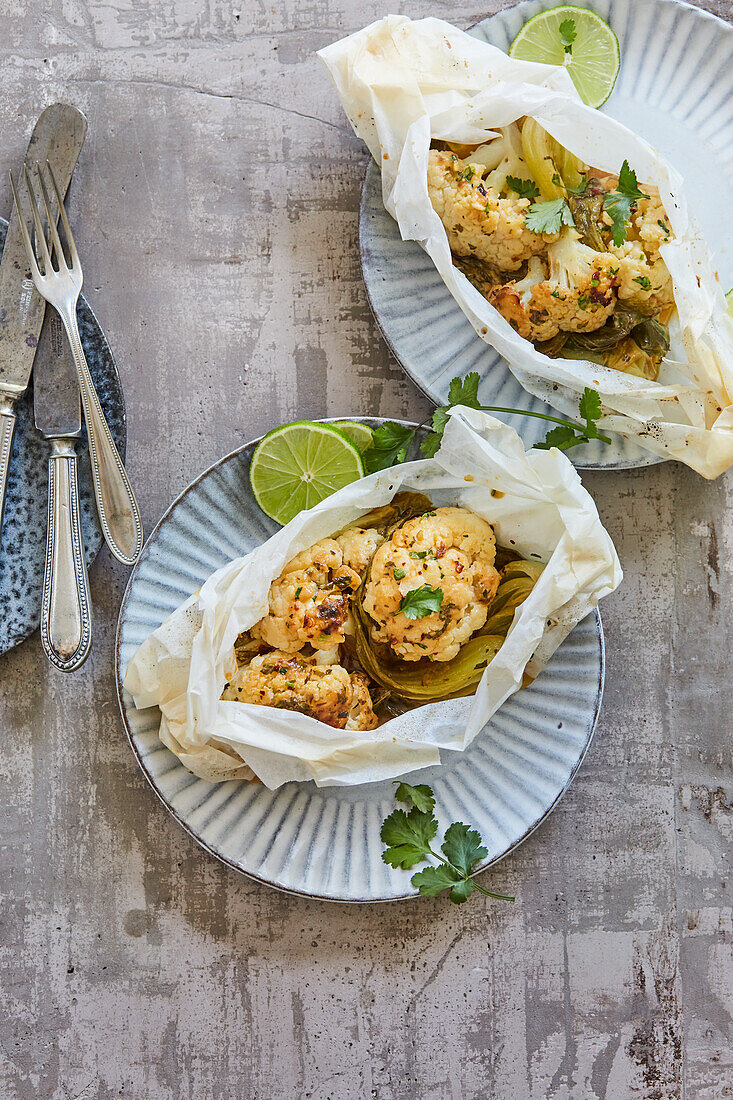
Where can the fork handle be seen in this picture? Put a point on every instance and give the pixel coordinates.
(7, 427)
(118, 510)
(66, 622)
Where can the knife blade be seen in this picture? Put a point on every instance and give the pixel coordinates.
(58, 137)
(66, 622)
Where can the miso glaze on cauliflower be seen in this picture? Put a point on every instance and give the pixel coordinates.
(579, 294)
(478, 222)
(517, 303)
(325, 692)
(310, 601)
(450, 549)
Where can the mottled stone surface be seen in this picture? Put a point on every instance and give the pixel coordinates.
(215, 206)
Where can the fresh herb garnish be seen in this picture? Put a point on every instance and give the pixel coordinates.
(408, 836)
(421, 601)
(549, 217)
(566, 436)
(467, 174)
(391, 441)
(584, 301)
(643, 282)
(568, 34)
(298, 591)
(619, 204)
(399, 574)
(526, 189)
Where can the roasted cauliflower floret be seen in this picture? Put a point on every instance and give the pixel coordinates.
(579, 294)
(650, 223)
(310, 601)
(450, 549)
(361, 715)
(516, 302)
(642, 283)
(358, 546)
(477, 220)
(288, 682)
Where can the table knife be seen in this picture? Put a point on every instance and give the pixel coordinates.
(58, 136)
(66, 623)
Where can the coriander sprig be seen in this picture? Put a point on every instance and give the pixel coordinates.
(408, 836)
(391, 442)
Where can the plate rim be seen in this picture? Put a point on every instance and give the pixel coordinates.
(330, 898)
(371, 168)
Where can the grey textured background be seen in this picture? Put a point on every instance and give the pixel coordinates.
(215, 207)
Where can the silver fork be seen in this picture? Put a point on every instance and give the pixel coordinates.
(118, 510)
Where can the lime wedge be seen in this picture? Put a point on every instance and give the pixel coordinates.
(359, 434)
(578, 39)
(296, 466)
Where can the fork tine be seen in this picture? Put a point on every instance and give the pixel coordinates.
(24, 230)
(74, 255)
(40, 235)
(52, 222)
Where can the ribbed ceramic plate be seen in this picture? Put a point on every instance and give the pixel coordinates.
(505, 784)
(23, 535)
(675, 88)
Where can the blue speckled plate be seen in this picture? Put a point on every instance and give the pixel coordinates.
(505, 783)
(23, 535)
(675, 88)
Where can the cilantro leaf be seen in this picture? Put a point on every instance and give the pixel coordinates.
(644, 282)
(431, 443)
(462, 891)
(407, 837)
(399, 574)
(549, 217)
(467, 174)
(421, 796)
(463, 847)
(619, 203)
(388, 447)
(561, 437)
(526, 189)
(568, 34)
(464, 391)
(590, 407)
(433, 880)
(421, 601)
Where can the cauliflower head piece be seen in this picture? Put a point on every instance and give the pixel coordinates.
(477, 220)
(517, 303)
(289, 682)
(643, 283)
(450, 549)
(358, 546)
(579, 295)
(310, 602)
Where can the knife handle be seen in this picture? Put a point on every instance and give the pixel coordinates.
(66, 622)
(118, 509)
(7, 427)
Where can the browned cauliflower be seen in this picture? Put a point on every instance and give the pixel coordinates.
(450, 549)
(516, 302)
(477, 220)
(325, 692)
(579, 295)
(642, 283)
(358, 546)
(310, 601)
(651, 224)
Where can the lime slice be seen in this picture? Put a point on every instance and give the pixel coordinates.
(359, 434)
(296, 466)
(578, 39)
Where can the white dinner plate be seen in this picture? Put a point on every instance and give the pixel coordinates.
(675, 88)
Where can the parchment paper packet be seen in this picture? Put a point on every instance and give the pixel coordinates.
(538, 507)
(403, 83)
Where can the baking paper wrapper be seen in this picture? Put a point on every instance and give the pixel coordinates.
(403, 83)
(537, 506)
